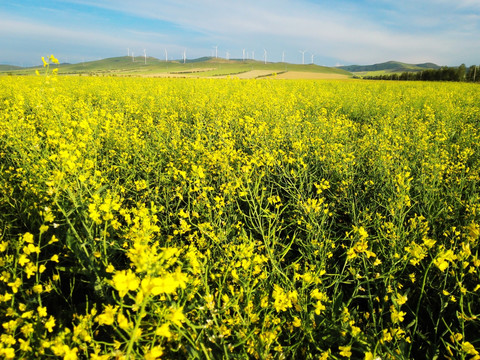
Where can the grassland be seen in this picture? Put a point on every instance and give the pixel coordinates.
(146, 218)
(387, 68)
(204, 67)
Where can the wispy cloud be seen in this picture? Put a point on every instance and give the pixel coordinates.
(343, 31)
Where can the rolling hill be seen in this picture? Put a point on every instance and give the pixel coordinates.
(218, 67)
(201, 67)
(9, 67)
(389, 67)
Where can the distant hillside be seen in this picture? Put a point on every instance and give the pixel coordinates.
(9, 67)
(429, 66)
(201, 67)
(390, 66)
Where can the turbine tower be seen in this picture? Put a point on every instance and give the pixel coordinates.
(133, 57)
(265, 55)
(253, 55)
(216, 51)
(313, 55)
(303, 56)
(243, 55)
(128, 51)
(227, 55)
(145, 55)
(166, 55)
(283, 56)
(184, 56)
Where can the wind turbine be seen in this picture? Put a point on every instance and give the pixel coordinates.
(133, 57)
(243, 56)
(303, 56)
(227, 55)
(253, 55)
(128, 51)
(145, 55)
(313, 55)
(184, 56)
(283, 56)
(265, 55)
(166, 55)
(216, 51)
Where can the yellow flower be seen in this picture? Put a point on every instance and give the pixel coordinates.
(401, 299)
(25, 345)
(53, 239)
(177, 316)
(70, 354)
(125, 281)
(15, 285)
(28, 238)
(318, 295)
(282, 301)
(417, 252)
(397, 316)
(27, 330)
(53, 59)
(3, 246)
(164, 331)
(296, 322)
(355, 330)
(319, 307)
(469, 348)
(473, 231)
(50, 324)
(108, 315)
(444, 258)
(23, 260)
(362, 232)
(345, 351)
(42, 311)
(8, 353)
(30, 248)
(123, 322)
(368, 356)
(30, 270)
(164, 285)
(429, 242)
(154, 353)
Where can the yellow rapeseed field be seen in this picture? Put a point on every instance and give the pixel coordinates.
(225, 218)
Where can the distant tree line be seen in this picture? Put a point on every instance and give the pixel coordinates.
(445, 73)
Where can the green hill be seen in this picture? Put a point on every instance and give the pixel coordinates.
(9, 67)
(389, 67)
(201, 67)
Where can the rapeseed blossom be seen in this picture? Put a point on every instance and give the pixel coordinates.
(224, 218)
(125, 281)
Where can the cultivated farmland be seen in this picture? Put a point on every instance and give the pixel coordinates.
(228, 218)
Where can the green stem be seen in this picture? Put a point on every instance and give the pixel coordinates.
(418, 308)
(138, 321)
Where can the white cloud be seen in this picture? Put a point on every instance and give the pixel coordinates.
(432, 30)
(75, 44)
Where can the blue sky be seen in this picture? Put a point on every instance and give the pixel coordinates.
(335, 32)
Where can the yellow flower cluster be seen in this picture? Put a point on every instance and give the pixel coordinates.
(221, 218)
